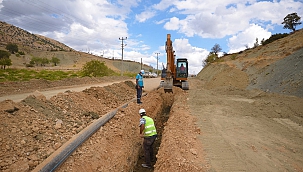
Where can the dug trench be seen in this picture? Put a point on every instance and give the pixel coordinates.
(40, 127)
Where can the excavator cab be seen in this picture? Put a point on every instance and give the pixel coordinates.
(181, 74)
(182, 69)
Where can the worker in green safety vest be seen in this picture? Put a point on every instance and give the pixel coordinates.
(149, 133)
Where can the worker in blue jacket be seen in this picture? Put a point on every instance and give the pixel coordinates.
(139, 86)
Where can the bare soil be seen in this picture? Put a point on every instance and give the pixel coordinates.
(238, 115)
(218, 129)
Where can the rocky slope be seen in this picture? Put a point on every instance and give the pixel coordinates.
(276, 67)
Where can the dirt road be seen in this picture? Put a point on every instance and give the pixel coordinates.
(150, 84)
(248, 130)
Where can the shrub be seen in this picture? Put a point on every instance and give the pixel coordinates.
(274, 37)
(96, 68)
(12, 48)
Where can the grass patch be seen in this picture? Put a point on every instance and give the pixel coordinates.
(26, 75)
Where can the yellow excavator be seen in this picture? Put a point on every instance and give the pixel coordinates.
(176, 71)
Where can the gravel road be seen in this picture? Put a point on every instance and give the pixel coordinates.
(150, 84)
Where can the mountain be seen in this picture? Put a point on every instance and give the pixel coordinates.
(13, 34)
(34, 45)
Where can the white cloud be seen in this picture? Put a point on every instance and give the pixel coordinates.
(173, 24)
(145, 16)
(248, 37)
(227, 17)
(194, 55)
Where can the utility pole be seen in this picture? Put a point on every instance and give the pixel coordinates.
(141, 63)
(157, 63)
(122, 45)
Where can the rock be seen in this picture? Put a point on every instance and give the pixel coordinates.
(193, 151)
(20, 166)
(57, 146)
(8, 106)
(39, 95)
(33, 157)
(58, 124)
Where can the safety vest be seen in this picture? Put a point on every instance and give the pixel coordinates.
(150, 128)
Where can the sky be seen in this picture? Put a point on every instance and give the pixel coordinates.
(98, 26)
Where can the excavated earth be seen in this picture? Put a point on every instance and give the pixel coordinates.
(222, 128)
(33, 129)
(234, 117)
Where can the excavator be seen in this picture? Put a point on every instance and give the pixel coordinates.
(176, 71)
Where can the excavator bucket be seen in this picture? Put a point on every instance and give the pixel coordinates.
(168, 85)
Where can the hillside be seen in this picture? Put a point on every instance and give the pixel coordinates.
(276, 67)
(234, 117)
(34, 45)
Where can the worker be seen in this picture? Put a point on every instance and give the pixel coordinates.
(139, 86)
(149, 133)
(182, 68)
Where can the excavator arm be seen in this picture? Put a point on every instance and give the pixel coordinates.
(168, 81)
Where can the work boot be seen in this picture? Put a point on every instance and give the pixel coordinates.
(146, 166)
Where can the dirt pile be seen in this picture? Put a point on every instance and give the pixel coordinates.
(180, 148)
(34, 128)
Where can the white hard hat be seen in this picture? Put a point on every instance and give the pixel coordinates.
(142, 111)
(142, 71)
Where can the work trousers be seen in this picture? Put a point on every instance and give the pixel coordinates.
(139, 94)
(148, 148)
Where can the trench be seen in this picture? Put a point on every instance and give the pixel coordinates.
(57, 159)
(162, 118)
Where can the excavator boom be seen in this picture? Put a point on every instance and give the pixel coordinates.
(168, 82)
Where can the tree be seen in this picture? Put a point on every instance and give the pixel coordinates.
(4, 54)
(12, 48)
(55, 60)
(5, 62)
(291, 21)
(96, 68)
(216, 49)
(36, 60)
(44, 61)
(256, 43)
(4, 59)
(212, 57)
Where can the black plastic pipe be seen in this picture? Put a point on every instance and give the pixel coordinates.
(60, 155)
